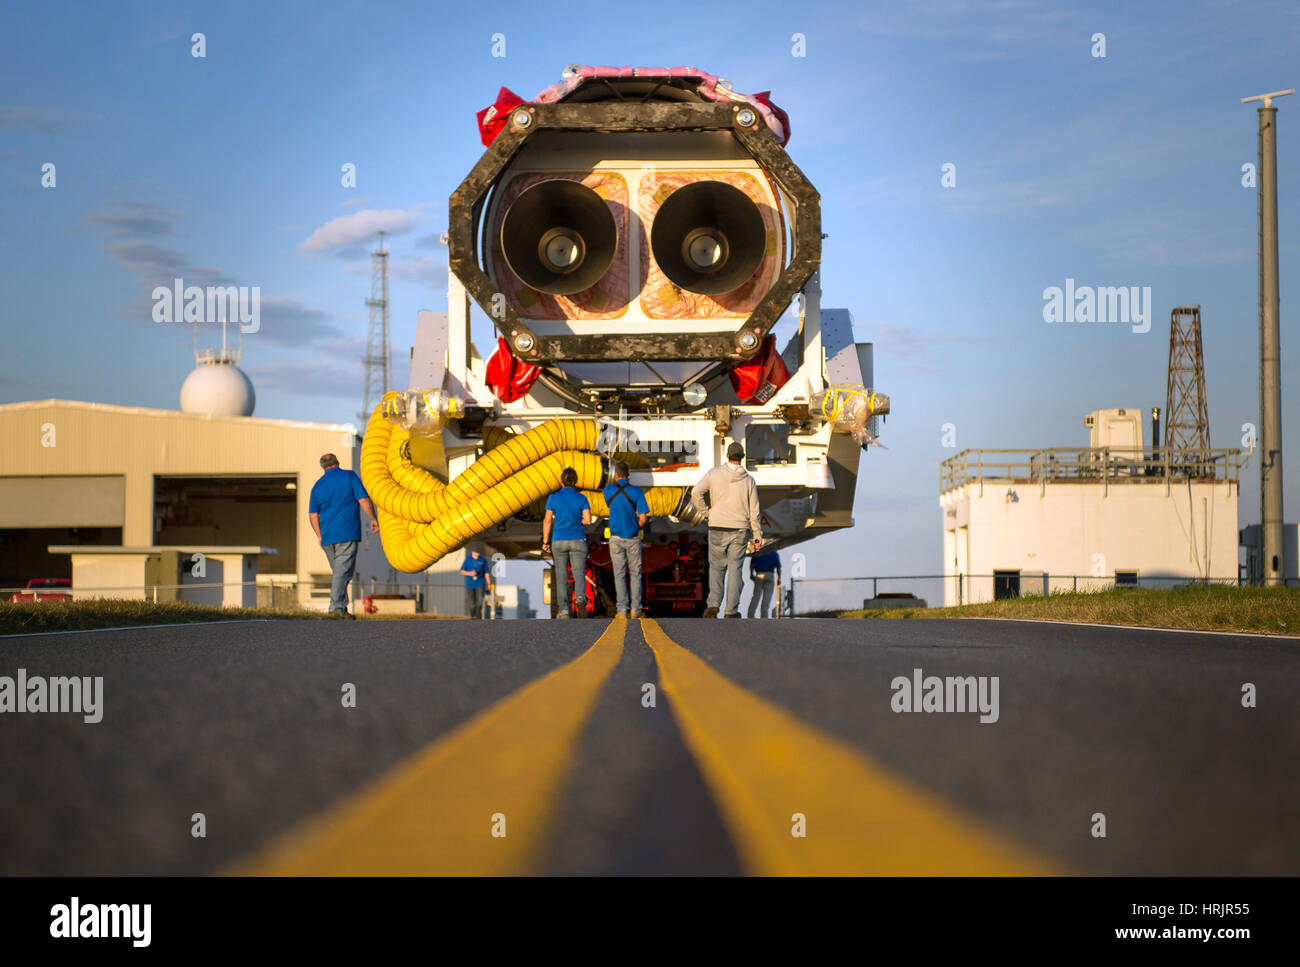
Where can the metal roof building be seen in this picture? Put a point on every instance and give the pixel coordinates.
(76, 473)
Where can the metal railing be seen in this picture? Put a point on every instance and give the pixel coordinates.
(1067, 464)
(429, 597)
(816, 595)
(286, 591)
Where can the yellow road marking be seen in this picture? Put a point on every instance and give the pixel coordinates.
(763, 766)
(434, 812)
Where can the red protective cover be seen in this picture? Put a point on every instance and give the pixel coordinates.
(757, 378)
(765, 98)
(492, 119)
(508, 378)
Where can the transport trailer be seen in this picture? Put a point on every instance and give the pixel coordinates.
(633, 235)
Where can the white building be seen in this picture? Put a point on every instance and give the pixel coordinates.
(512, 602)
(1114, 513)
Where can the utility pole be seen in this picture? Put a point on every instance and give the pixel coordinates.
(378, 357)
(1270, 350)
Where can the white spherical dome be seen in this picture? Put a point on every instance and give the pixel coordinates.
(218, 388)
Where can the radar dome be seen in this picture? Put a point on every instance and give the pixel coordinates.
(217, 387)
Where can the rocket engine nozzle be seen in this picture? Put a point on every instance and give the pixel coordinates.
(559, 237)
(708, 237)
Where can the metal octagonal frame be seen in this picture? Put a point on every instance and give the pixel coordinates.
(619, 117)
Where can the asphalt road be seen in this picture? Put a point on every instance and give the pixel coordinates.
(531, 747)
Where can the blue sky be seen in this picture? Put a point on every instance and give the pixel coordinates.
(1122, 170)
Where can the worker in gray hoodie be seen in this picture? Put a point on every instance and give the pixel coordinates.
(732, 510)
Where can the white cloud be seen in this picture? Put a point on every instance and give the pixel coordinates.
(45, 119)
(426, 270)
(359, 227)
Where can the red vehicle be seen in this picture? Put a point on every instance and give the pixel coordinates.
(674, 574)
(37, 591)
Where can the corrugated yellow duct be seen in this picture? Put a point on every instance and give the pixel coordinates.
(494, 436)
(419, 496)
(416, 548)
(634, 460)
(662, 501)
(421, 519)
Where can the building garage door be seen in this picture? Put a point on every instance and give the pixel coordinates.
(47, 502)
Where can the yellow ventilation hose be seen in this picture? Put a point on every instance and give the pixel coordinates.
(662, 501)
(421, 519)
(494, 436)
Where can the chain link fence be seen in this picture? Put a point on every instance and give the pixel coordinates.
(410, 597)
(813, 596)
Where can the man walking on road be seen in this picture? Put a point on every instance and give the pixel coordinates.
(628, 512)
(765, 573)
(732, 510)
(567, 512)
(333, 513)
(478, 580)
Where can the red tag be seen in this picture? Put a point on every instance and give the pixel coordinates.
(756, 379)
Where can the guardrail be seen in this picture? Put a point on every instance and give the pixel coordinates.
(1064, 464)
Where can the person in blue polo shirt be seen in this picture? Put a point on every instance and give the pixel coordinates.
(567, 511)
(765, 574)
(628, 512)
(332, 510)
(478, 579)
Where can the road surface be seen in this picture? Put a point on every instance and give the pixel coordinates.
(641, 747)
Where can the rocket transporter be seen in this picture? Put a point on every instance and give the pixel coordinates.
(634, 235)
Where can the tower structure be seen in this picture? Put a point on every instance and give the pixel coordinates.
(1187, 417)
(1270, 348)
(378, 358)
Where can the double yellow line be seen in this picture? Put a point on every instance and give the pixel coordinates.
(477, 801)
(800, 802)
(796, 801)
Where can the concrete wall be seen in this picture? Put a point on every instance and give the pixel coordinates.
(1087, 529)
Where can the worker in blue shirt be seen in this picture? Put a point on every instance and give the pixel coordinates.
(567, 512)
(628, 512)
(478, 579)
(765, 573)
(333, 513)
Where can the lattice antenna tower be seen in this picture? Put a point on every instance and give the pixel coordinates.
(378, 358)
(1187, 425)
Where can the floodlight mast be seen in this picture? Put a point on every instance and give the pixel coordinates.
(1267, 98)
(1273, 554)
